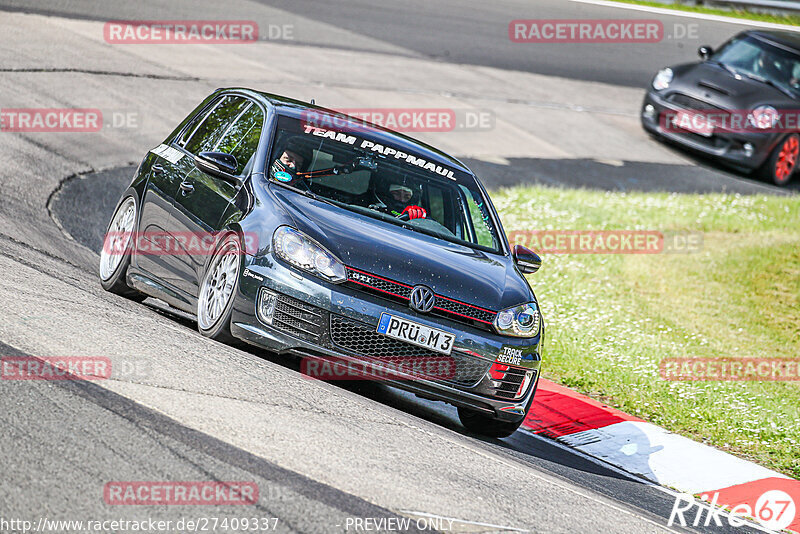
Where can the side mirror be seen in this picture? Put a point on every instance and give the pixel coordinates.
(705, 52)
(527, 260)
(218, 164)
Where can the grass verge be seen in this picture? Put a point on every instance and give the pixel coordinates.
(612, 318)
(793, 20)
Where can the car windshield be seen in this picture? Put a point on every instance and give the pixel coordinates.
(758, 59)
(354, 170)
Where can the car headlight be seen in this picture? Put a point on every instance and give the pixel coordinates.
(518, 321)
(764, 117)
(299, 250)
(663, 79)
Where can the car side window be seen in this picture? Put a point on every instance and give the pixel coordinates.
(205, 137)
(196, 121)
(241, 138)
(481, 222)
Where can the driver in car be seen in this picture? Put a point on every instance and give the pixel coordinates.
(400, 201)
(291, 161)
(774, 68)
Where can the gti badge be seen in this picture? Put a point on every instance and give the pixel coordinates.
(422, 299)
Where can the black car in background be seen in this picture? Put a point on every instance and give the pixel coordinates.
(310, 233)
(740, 104)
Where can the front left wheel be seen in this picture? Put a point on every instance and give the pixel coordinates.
(782, 163)
(215, 302)
(486, 425)
(115, 256)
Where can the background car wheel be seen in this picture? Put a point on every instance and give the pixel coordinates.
(115, 256)
(783, 161)
(485, 425)
(215, 302)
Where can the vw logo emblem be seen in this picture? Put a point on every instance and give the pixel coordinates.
(422, 299)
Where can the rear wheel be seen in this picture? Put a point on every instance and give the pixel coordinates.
(783, 161)
(115, 256)
(215, 302)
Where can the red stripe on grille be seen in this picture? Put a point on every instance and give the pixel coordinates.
(379, 277)
(461, 314)
(378, 289)
(464, 304)
(411, 287)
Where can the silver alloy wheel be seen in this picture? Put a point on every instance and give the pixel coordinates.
(218, 284)
(118, 238)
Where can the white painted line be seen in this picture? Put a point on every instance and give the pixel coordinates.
(688, 14)
(666, 458)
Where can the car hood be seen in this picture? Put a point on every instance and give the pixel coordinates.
(384, 249)
(715, 85)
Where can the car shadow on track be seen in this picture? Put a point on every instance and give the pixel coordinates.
(441, 414)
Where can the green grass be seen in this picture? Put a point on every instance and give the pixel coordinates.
(793, 20)
(612, 318)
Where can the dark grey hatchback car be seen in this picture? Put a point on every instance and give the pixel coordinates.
(360, 250)
(739, 105)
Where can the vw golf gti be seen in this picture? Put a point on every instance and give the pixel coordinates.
(313, 234)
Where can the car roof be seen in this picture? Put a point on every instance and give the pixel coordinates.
(298, 109)
(786, 39)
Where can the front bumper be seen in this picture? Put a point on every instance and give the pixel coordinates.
(727, 146)
(323, 321)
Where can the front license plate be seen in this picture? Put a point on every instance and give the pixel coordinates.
(693, 122)
(415, 333)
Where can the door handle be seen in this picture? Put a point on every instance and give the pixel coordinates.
(186, 187)
(158, 169)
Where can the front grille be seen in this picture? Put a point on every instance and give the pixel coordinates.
(689, 102)
(510, 383)
(362, 339)
(382, 285)
(464, 309)
(445, 307)
(299, 318)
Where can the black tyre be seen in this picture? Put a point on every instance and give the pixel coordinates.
(486, 425)
(115, 256)
(490, 427)
(218, 289)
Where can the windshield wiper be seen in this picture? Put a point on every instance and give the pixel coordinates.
(769, 82)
